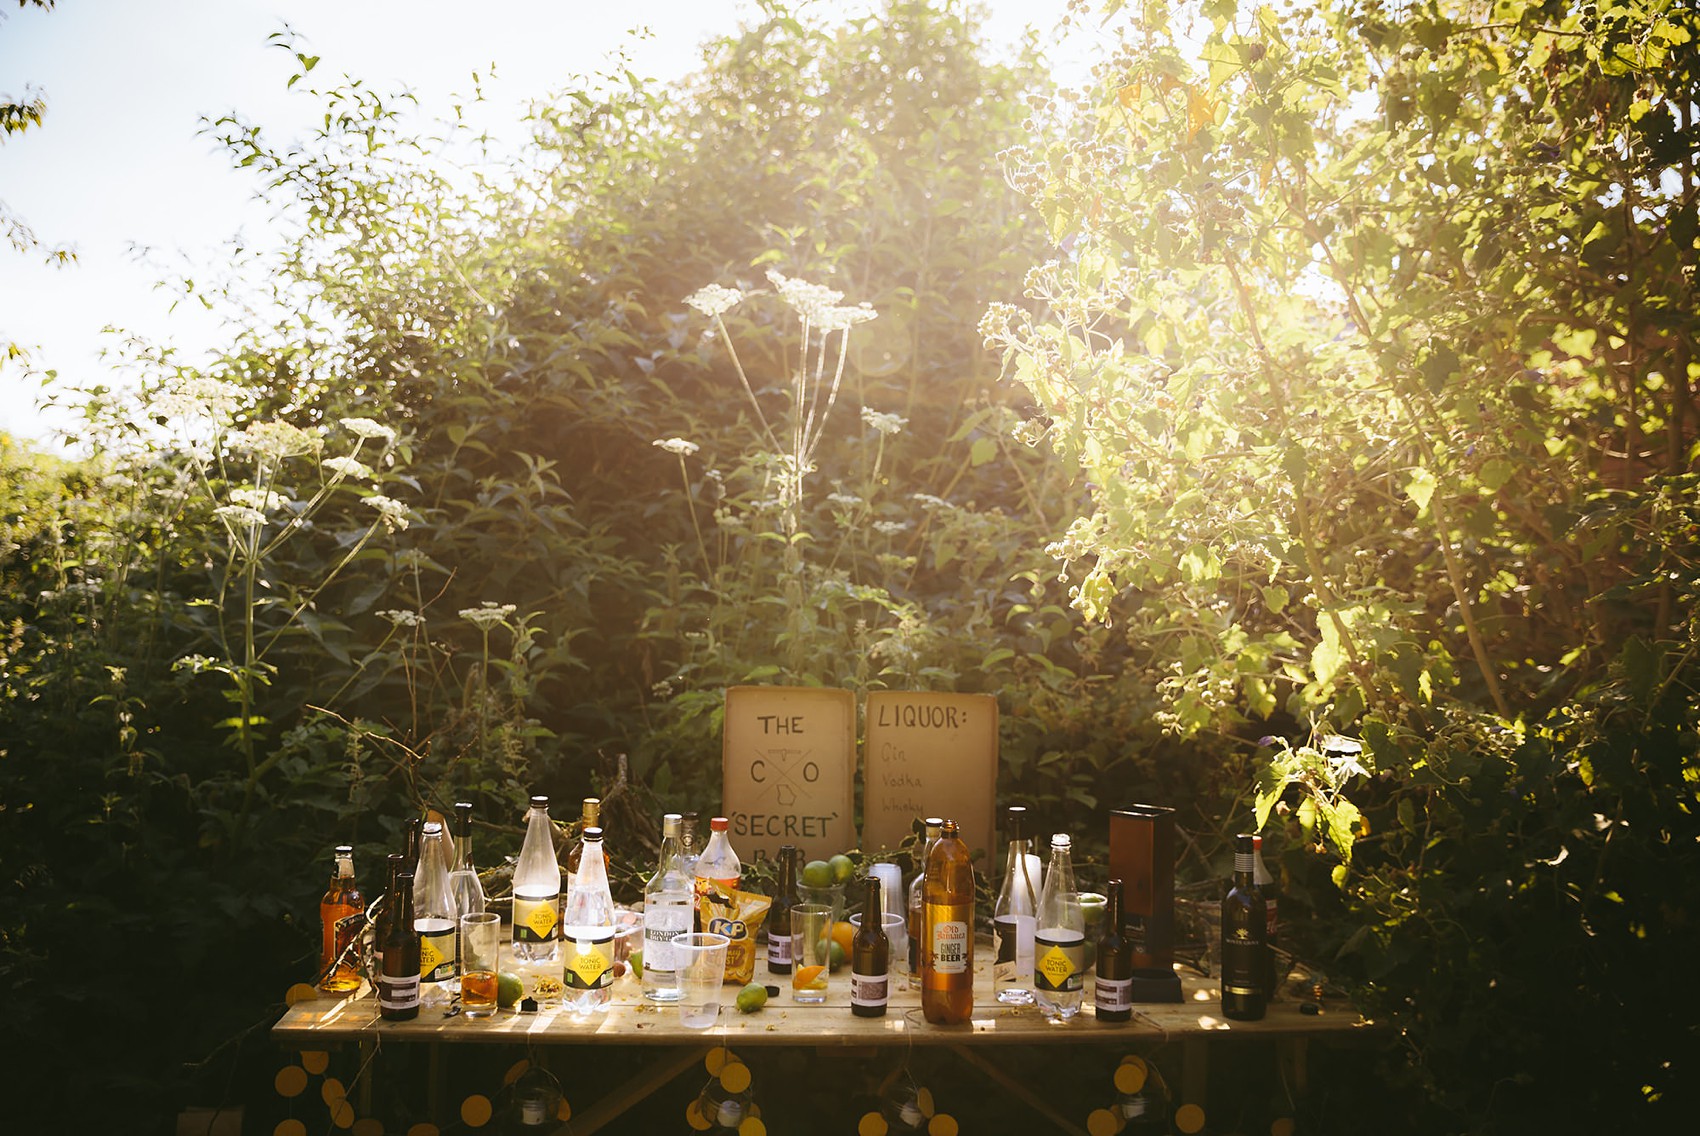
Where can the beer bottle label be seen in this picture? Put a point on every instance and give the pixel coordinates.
(778, 950)
(589, 961)
(868, 989)
(1113, 993)
(436, 949)
(951, 939)
(1058, 962)
(398, 993)
(535, 920)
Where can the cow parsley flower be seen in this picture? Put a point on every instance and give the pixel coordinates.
(235, 515)
(812, 301)
(488, 614)
(714, 299)
(883, 422)
(402, 618)
(392, 512)
(679, 446)
(365, 428)
(348, 467)
(262, 500)
(274, 440)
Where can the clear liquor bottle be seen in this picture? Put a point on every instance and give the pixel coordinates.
(465, 888)
(434, 915)
(1059, 942)
(587, 932)
(930, 836)
(666, 913)
(1013, 918)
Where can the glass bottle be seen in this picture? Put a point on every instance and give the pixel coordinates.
(947, 930)
(870, 959)
(785, 897)
(689, 852)
(666, 913)
(465, 888)
(1272, 922)
(1013, 918)
(930, 837)
(718, 865)
(590, 816)
(587, 931)
(1112, 982)
(1059, 941)
(387, 913)
(434, 915)
(1244, 923)
(338, 908)
(537, 889)
(398, 983)
(410, 846)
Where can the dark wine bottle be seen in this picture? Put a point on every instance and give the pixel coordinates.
(1112, 983)
(1245, 923)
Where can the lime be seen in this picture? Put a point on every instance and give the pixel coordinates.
(509, 989)
(636, 959)
(752, 998)
(842, 868)
(839, 954)
(817, 874)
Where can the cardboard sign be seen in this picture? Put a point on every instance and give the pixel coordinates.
(929, 755)
(788, 769)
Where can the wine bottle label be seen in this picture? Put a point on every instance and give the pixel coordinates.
(436, 949)
(536, 920)
(1112, 993)
(1058, 962)
(869, 989)
(1012, 935)
(589, 961)
(778, 949)
(398, 993)
(951, 931)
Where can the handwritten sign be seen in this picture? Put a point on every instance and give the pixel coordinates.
(788, 769)
(929, 755)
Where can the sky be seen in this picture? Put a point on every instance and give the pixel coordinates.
(121, 172)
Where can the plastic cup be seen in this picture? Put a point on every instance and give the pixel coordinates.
(811, 951)
(480, 958)
(896, 930)
(830, 896)
(700, 964)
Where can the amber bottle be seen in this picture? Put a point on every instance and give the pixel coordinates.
(947, 931)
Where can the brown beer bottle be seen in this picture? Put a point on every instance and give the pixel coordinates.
(947, 931)
(398, 985)
(338, 972)
(870, 958)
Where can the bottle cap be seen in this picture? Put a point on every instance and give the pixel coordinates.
(950, 830)
(1060, 840)
(432, 828)
(345, 849)
(540, 802)
(671, 823)
(593, 833)
(719, 824)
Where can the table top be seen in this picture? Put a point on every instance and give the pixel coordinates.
(631, 1020)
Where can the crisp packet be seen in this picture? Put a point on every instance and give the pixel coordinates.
(738, 915)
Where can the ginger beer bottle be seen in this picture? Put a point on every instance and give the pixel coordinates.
(947, 930)
(342, 900)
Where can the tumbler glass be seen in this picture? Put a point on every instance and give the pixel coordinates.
(811, 951)
(480, 956)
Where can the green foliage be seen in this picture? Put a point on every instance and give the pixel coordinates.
(1373, 332)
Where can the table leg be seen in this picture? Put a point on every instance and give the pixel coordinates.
(1018, 1090)
(648, 1080)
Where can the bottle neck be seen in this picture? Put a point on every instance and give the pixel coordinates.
(1245, 867)
(345, 867)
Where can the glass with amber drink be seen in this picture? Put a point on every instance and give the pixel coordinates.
(480, 951)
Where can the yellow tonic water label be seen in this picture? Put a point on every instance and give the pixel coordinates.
(1058, 962)
(535, 920)
(590, 962)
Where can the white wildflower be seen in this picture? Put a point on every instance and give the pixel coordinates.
(199, 398)
(194, 664)
(812, 301)
(274, 440)
(714, 299)
(262, 500)
(488, 614)
(117, 481)
(843, 318)
(883, 422)
(234, 515)
(392, 512)
(929, 502)
(677, 446)
(348, 467)
(844, 500)
(890, 528)
(402, 618)
(367, 428)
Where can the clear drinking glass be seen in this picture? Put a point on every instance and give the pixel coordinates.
(480, 958)
(700, 964)
(811, 951)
